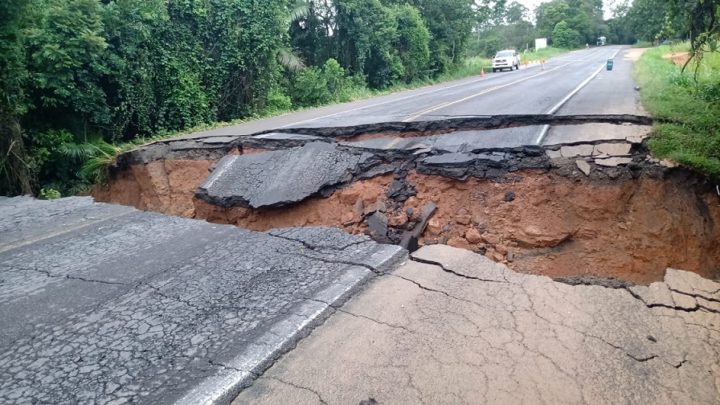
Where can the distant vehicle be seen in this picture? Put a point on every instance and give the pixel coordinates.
(507, 59)
(601, 41)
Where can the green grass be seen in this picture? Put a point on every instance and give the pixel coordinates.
(690, 101)
(545, 53)
(642, 44)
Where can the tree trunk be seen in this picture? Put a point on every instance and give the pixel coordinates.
(14, 169)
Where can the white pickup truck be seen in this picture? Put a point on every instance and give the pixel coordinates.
(507, 59)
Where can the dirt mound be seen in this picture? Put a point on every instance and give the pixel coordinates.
(679, 59)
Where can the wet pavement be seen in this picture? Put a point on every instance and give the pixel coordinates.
(107, 304)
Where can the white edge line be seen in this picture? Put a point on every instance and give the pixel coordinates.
(218, 172)
(556, 107)
(384, 102)
(393, 100)
(441, 106)
(543, 133)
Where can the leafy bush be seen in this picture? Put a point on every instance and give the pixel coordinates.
(313, 86)
(49, 194)
(310, 88)
(335, 79)
(680, 79)
(277, 101)
(710, 92)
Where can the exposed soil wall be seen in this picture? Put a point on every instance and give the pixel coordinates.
(630, 229)
(166, 186)
(537, 222)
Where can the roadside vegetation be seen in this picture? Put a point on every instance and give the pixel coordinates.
(690, 99)
(84, 80)
(680, 81)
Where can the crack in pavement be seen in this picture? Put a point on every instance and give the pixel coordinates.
(70, 277)
(300, 387)
(468, 122)
(339, 308)
(317, 247)
(698, 306)
(447, 270)
(694, 295)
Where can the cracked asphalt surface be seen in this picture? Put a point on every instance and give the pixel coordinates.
(453, 327)
(106, 304)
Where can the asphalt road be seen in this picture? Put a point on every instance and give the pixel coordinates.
(574, 83)
(107, 304)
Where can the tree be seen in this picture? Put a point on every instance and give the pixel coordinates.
(585, 17)
(412, 43)
(450, 23)
(67, 59)
(506, 28)
(15, 177)
(701, 18)
(565, 37)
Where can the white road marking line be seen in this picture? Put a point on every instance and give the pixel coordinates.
(70, 228)
(447, 104)
(396, 100)
(556, 107)
(441, 106)
(382, 103)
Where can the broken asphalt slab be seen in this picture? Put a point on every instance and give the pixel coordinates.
(483, 131)
(277, 178)
(453, 327)
(117, 305)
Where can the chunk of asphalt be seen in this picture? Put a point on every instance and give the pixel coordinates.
(409, 239)
(613, 161)
(282, 177)
(583, 166)
(281, 136)
(451, 159)
(378, 226)
(612, 149)
(149, 308)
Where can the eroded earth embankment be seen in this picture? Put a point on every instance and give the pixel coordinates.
(598, 212)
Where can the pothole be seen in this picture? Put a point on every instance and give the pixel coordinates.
(583, 213)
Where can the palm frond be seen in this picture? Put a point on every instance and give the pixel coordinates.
(299, 10)
(96, 157)
(78, 151)
(290, 60)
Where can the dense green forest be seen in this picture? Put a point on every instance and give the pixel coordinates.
(79, 76)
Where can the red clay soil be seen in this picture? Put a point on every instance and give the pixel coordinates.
(561, 227)
(166, 186)
(557, 226)
(344, 209)
(679, 59)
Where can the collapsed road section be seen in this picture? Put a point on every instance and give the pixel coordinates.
(584, 209)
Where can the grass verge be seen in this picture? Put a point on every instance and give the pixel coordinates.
(690, 99)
